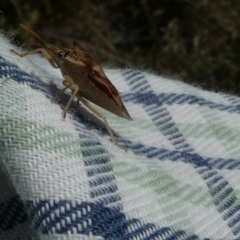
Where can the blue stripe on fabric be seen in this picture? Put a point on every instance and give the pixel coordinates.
(147, 97)
(95, 218)
(192, 158)
(224, 198)
(20, 76)
(12, 213)
(233, 100)
(96, 161)
(98, 170)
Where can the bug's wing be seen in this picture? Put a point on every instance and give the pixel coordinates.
(110, 96)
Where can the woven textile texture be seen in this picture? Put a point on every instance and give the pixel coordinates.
(65, 179)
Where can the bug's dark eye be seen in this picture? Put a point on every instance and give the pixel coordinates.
(61, 54)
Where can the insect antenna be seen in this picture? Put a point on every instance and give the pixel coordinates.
(33, 44)
(34, 34)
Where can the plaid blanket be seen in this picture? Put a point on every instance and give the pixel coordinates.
(65, 179)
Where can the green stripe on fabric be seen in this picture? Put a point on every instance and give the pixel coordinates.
(227, 136)
(173, 195)
(205, 130)
(18, 134)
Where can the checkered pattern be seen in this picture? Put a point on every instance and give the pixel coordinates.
(65, 179)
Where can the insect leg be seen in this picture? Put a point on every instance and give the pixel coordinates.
(100, 115)
(42, 50)
(75, 90)
(59, 94)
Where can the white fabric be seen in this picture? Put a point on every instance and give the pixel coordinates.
(65, 179)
